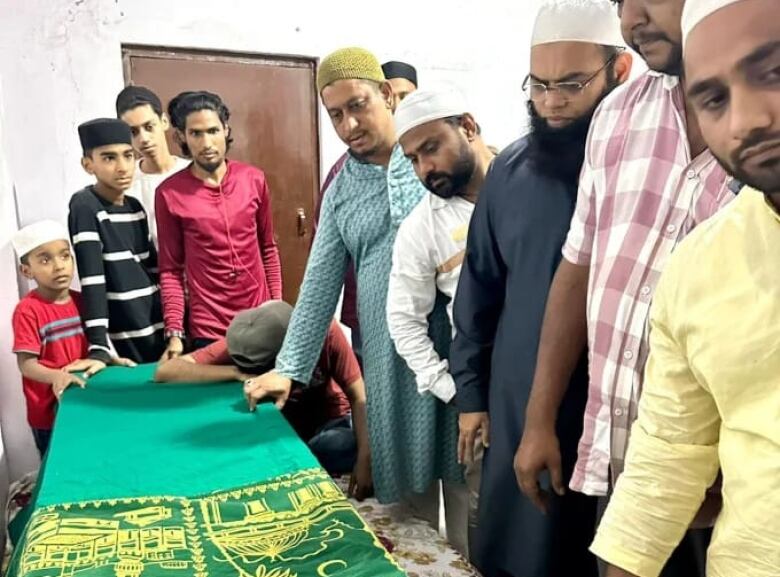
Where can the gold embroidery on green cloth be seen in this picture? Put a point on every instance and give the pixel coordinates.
(297, 525)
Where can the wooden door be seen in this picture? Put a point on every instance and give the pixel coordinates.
(273, 117)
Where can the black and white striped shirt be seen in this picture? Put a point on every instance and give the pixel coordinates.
(117, 265)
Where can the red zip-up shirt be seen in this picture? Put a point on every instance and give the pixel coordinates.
(221, 240)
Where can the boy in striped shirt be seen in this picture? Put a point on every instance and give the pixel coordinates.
(116, 259)
(49, 340)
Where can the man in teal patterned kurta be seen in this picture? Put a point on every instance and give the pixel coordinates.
(413, 437)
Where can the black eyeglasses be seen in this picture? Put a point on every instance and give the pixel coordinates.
(537, 91)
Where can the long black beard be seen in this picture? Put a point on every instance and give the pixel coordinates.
(558, 152)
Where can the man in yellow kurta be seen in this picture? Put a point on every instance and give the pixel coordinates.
(712, 389)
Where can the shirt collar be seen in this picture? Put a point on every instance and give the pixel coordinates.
(669, 82)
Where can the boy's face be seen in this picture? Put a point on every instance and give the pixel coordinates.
(112, 165)
(50, 265)
(148, 130)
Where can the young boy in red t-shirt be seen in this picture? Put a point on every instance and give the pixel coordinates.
(49, 339)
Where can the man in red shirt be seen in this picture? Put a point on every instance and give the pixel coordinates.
(214, 229)
(321, 412)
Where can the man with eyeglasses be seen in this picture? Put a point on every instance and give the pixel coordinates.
(514, 244)
(647, 181)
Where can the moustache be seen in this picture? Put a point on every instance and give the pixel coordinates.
(433, 177)
(755, 140)
(645, 37)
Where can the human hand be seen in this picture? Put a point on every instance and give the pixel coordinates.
(470, 425)
(87, 366)
(174, 349)
(63, 380)
(539, 450)
(361, 482)
(270, 385)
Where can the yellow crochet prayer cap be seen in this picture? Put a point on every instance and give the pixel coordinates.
(349, 64)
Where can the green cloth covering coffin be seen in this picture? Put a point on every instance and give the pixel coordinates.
(150, 480)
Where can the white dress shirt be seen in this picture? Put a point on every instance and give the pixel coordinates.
(427, 255)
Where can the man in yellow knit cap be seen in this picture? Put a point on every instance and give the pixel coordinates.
(413, 437)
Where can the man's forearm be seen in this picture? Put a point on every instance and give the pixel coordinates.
(183, 371)
(563, 340)
(172, 293)
(356, 393)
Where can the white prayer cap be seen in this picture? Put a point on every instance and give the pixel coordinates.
(695, 11)
(423, 106)
(592, 21)
(34, 235)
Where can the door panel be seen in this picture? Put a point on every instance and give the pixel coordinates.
(273, 118)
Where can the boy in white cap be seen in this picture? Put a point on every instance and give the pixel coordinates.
(440, 137)
(711, 397)
(514, 245)
(647, 181)
(49, 339)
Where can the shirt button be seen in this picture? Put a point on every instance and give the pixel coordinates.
(628, 355)
(671, 228)
(645, 290)
(618, 412)
(691, 174)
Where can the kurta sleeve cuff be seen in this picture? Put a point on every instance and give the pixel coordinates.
(471, 400)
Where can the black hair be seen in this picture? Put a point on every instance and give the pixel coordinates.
(611, 54)
(25, 259)
(185, 103)
(457, 121)
(134, 96)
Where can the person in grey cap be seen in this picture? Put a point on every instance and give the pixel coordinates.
(329, 413)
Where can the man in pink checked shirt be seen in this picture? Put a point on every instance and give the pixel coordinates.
(648, 179)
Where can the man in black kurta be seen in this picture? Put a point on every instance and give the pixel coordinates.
(514, 247)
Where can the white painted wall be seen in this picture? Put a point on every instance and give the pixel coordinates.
(62, 63)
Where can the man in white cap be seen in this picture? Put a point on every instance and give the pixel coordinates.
(711, 395)
(514, 245)
(440, 137)
(647, 181)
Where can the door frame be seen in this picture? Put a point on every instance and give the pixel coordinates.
(209, 55)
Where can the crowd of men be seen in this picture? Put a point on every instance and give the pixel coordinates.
(572, 345)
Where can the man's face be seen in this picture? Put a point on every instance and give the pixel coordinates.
(206, 137)
(50, 265)
(148, 130)
(652, 28)
(442, 157)
(563, 63)
(732, 65)
(112, 165)
(401, 89)
(361, 114)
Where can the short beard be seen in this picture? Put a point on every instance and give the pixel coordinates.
(459, 176)
(210, 167)
(559, 152)
(364, 156)
(769, 186)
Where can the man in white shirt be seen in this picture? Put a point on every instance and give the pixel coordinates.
(142, 110)
(441, 138)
